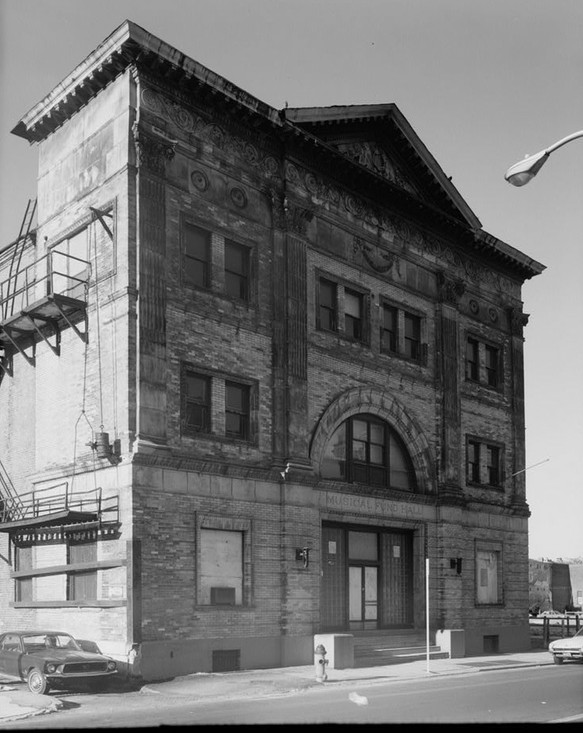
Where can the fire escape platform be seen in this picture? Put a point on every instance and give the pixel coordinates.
(56, 311)
(56, 506)
(64, 517)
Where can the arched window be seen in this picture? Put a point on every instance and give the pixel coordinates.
(366, 450)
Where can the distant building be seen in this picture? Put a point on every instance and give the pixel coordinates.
(555, 586)
(257, 365)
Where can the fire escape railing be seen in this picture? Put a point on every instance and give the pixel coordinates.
(8, 495)
(58, 501)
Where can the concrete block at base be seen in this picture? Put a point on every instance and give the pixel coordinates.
(339, 649)
(452, 641)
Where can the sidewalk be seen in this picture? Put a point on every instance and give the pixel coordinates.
(17, 702)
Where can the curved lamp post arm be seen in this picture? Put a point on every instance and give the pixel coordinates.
(523, 172)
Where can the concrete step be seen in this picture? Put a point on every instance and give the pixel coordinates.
(374, 649)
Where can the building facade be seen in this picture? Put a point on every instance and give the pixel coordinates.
(258, 366)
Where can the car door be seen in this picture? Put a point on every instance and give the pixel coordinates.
(10, 654)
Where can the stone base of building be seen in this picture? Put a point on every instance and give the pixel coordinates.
(497, 639)
(158, 660)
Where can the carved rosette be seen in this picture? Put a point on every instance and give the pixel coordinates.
(450, 289)
(153, 152)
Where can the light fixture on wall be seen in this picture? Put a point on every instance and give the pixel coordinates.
(303, 554)
(455, 563)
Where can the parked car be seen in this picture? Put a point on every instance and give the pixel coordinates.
(568, 648)
(46, 659)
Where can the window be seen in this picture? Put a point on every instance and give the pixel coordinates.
(491, 365)
(327, 305)
(197, 249)
(236, 270)
(473, 461)
(196, 402)
(412, 337)
(365, 449)
(82, 585)
(401, 333)
(493, 465)
(237, 418)
(23, 561)
(389, 329)
(221, 567)
(472, 360)
(488, 574)
(483, 363)
(353, 315)
(70, 265)
(484, 463)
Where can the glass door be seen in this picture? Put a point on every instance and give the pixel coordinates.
(363, 596)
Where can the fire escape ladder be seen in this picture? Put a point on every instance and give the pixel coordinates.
(10, 504)
(25, 228)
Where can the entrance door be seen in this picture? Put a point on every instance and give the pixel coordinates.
(363, 596)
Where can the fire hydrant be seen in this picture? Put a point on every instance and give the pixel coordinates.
(320, 663)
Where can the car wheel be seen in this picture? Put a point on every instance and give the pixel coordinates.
(557, 660)
(37, 682)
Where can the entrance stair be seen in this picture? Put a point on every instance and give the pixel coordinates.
(376, 648)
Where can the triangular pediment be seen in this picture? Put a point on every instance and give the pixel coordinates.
(372, 155)
(379, 138)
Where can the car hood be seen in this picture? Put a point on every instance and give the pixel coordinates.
(573, 642)
(70, 655)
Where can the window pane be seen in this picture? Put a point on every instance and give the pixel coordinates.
(491, 356)
(359, 429)
(363, 546)
(333, 463)
(327, 305)
(236, 410)
(472, 370)
(197, 254)
(353, 304)
(389, 329)
(399, 463)
(197, 402)
(412, 336)
(237, 270)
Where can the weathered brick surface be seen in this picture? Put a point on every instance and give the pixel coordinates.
(145, 324)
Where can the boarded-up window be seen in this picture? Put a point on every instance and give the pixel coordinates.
(488, 576)
(82, 585)
(23, 591)
(221, 566)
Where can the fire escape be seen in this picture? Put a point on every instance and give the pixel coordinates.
(37, 302)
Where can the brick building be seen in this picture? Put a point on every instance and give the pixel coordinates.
(257, 365)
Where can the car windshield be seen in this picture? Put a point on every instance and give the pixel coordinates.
(36, 642)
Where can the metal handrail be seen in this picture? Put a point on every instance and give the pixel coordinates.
(43, 502)
(28, 290)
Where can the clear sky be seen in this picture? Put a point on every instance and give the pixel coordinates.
(482, 82)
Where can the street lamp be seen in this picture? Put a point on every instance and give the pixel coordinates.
(523, 172)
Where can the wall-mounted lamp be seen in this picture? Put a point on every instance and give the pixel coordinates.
(104, 449)
(285, 471)
(455, 563)
(303, 554)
